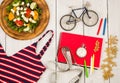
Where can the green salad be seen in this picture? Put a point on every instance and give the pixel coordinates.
(23, 15)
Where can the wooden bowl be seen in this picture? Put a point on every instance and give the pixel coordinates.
(24, 35)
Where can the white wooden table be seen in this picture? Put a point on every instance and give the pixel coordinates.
(58, 8)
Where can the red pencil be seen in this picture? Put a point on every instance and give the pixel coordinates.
(101, 20)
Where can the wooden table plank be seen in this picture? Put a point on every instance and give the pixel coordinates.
(114, 24)
(50, 54)
(63, 9)
(101, 9)
(2, 38)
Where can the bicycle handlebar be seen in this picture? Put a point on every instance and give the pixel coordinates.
(84, 5)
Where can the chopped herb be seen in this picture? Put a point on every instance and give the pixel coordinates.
(21, 29)
(39, 10)
(28, 1)
(9, 7)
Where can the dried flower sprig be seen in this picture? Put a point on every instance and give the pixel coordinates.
(111, 52)
(97, 46)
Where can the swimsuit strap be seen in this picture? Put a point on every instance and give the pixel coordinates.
(2, 52)
(41, 53)
(0, 45)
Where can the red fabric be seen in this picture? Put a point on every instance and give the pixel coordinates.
(74, 41)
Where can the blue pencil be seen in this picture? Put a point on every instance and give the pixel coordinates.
(104, 28)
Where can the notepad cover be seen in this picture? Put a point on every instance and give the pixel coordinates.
(93, 45)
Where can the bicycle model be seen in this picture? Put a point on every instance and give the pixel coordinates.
(88, 17)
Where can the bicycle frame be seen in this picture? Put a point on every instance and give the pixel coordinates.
(85, 10)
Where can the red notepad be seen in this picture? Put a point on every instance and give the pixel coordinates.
(73, 42)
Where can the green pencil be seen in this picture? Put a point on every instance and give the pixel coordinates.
(86, 70)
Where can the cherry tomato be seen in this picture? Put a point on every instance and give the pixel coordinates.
(28, 11)
(19, 23)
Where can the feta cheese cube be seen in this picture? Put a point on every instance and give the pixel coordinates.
(13, 11)
(31, 20)
(18, 18)
(23, 13)
(18, 8)
(14, 19)
(32, 13)
(28, 4)
(25, 25)
(25, 8)
(22, 3)
(25, 19)
(17, 13)
(21, 8)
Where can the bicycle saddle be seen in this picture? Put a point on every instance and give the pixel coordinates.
(71, 7)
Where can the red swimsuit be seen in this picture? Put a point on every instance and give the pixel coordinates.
(24, 66)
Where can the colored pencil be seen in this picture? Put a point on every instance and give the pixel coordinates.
(93, 58)
(101, 20)
(92, 64)
(104, 28)
(86, 70)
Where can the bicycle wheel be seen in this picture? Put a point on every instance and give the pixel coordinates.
(90, 20)
(67, 22)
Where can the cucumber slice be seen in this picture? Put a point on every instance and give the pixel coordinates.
(33, 5)
(16, 4)
(26, 29)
